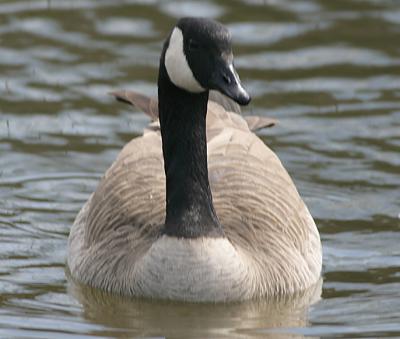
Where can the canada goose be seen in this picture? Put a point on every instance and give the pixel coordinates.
(196, 210)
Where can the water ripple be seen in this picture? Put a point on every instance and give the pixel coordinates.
(327, 70)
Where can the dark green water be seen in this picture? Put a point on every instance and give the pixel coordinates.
(328, 70)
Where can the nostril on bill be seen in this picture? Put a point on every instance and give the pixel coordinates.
(226, 78)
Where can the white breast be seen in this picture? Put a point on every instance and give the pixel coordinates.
(202, 269)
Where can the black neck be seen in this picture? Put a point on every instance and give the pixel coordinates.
(189, 211)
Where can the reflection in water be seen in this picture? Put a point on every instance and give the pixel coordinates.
(141, 317)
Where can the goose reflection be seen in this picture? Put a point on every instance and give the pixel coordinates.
(134, 317)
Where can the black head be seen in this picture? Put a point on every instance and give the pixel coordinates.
(198, 57)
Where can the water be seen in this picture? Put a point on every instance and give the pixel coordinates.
(328, 70)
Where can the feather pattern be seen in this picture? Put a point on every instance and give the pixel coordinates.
(117, 244)
(150, 107)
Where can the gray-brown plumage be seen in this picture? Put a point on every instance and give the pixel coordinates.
(264, 241)
(150, 107)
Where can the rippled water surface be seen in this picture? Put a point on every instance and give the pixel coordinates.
(328, 70)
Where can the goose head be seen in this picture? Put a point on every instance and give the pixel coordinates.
(198, 57)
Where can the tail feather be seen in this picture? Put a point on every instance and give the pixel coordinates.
(146, 104)
(150, 107)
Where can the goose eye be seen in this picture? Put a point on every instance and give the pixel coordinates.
(193, 45)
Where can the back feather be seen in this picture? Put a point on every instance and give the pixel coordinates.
(150, 107)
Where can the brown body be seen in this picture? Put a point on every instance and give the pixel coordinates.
(263, 217)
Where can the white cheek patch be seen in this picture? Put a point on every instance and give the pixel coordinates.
(177, 66)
